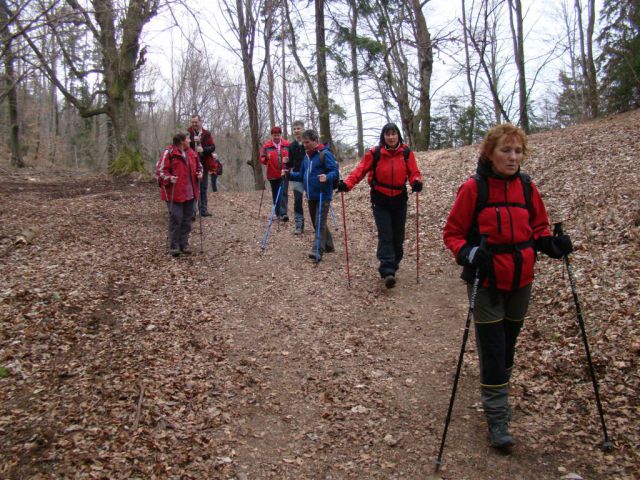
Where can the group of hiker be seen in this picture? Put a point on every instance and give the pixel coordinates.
(495, 228)
(183, 173)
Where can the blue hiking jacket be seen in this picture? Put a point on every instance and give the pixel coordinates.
(311, 168)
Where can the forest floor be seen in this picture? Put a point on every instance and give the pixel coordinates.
(118, 361)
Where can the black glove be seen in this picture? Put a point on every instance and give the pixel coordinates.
(476, 256)
(416, 186)
(555, 247)
(342, 187)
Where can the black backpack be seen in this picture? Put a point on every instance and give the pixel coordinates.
(376, 159)
(334, 185)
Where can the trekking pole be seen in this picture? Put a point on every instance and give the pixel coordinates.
(417, 239)
(263, 244)
(607, 444)
(465, 336)
(261, 197)
(201, 231)
(346, 245)
(333, 215)
(318, 229)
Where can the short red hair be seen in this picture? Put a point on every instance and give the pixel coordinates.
(496, 133)
(276, 129)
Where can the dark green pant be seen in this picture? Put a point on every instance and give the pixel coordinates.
(497, 327)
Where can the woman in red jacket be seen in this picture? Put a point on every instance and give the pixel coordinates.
(181, 174)
(504, 207)
(389, 166)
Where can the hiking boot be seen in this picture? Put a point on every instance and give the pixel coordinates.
(330, 249)
(285, 218)
(205, 214)
(174, 252)
(186, 250)
(313, 256)
(298, 231)
(390, 281)
(499, 435)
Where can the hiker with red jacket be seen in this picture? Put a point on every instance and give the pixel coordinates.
(389, 166)
(504, 207)
(201, 141)
(275, 155)
(181, 175)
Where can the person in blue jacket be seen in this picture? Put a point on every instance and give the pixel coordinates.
(318, 174)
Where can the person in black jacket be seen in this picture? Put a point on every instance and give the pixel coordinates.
(296, 157)
(201, 141)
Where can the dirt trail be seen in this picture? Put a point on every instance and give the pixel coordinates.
(234, 363)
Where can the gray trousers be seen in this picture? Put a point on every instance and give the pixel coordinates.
(298, 194)
(497, 328)
(180, 218)
(326, 240)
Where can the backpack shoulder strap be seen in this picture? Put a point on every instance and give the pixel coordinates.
(374, 165)
(481, 201)
(407, 152)
(321, 155)
(526, 189)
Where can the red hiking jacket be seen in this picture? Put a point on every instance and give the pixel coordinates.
(208, 147)
(186, 170)
(510, 227)
(269, 157)
(392, 170)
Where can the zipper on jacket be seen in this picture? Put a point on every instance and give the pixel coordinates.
(506, 200)
(498, 220)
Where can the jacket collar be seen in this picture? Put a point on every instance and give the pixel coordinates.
(485, 170)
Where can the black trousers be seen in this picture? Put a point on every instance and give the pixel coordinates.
(281, 208)
(390, 220)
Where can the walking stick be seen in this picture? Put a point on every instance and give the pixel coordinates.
(465, 336)
(201, 231)
(264, 187)
(318, 229)
(346, 244)
(607, 444)
(263, 244)
(417, 239)
(333, 215)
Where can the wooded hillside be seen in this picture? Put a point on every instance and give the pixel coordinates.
(117, 361)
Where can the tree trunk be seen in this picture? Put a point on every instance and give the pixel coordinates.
(467, 69)
(586, 59)
(268, 35)
(10, 85)
(422, 124)
(251, 89)
(515, 6)
(355, 76)
(323, 84)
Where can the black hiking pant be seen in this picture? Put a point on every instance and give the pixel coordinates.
(390, 220)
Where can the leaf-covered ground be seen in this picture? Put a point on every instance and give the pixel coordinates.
(117, 361)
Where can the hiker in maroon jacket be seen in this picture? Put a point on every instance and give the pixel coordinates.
(201, 141)
(389, 166)
(275, 155)
(181, 175)
(504, 206)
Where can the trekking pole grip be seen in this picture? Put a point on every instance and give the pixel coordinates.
(557, 229)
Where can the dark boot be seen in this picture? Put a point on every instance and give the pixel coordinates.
(499, 435)
(390, 281)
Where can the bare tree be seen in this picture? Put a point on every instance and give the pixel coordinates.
(242, 17)
(587, 63)
(116, 35)
(10, 82)
(516, 24)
